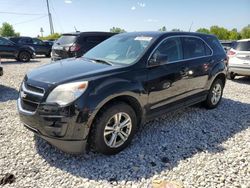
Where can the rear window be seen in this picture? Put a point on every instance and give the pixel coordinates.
(66, 39)
(242, 46)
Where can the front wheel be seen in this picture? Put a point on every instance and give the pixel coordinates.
(113, 129)
(24, 56)
(215, 94)
(231, 76)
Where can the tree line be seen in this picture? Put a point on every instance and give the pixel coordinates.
(7, 30)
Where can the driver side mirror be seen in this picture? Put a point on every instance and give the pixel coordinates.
(158, 59)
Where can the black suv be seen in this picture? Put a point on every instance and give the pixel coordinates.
(76, 44)
(9, 49)
(41, 48)
(100, 99)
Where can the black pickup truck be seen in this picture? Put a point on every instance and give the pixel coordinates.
(11, 50)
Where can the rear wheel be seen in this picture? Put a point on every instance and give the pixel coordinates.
(24, 56)
(114, 129)
(231, 76)
(214, 95)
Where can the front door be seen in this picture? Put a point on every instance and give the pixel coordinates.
(168, 81)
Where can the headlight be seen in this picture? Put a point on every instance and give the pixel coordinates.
(67, 93)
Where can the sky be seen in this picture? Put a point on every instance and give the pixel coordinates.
(131, 15)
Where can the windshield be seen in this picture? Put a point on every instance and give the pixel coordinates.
(66, 39)
(121, 49)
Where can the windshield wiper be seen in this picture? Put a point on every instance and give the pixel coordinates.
(102, 61)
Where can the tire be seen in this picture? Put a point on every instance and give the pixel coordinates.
(105, 123)
(231, 76)
(215, 94)
(24, 56)
(48, 54)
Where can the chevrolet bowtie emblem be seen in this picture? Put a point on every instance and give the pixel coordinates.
(23, 95)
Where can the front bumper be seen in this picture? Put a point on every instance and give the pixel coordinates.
(243, 71)
(66, 131)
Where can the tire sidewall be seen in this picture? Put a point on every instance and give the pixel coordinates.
(21, 54)
(98, 139)
(210, 94)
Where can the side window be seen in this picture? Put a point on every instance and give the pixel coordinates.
(37, 41)
(25, 41)
(4, 42)
(194, 47)
(171, 48)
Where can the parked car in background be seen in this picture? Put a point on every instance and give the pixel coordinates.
(227, 45)
(9, 49)
(101, 98)
(41, 48)
(239, 59)
(76, 44)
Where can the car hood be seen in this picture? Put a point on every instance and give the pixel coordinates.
(69, 70)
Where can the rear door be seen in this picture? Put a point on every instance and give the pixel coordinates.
(40, 46)
(198, 55)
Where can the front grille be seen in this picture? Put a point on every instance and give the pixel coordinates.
(34, 89)
(28, 105)
(30, 97)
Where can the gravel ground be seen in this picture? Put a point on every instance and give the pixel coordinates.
(192, 146)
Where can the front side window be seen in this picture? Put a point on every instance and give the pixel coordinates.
(37, 41)
(121, 49)
(4, 41)
(170, 48)
(194, 47)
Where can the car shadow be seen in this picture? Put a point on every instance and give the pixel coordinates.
(14, 62)
(242, 80)
(159, 145)
(7, 93)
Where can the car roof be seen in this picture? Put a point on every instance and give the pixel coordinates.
(91, 33)
(165, 34)
(243, 40)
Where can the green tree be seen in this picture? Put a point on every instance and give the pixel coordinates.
(203, 30)
(175, 29)
(7, 30)
(234, 35)
(54, 36)
(245, 32)
(117, 30)
(221, 32)
(163, 28)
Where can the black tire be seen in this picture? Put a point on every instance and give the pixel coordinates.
(210, 103)
(97, 139)
(24, 56)
(48, 54)
(231, 76)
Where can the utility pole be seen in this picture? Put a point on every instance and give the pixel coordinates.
(50, 19)
(41, 30)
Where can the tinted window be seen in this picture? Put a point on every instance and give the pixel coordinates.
(215, 44)
(94, 39)
(37, 41)
(66, 39)
(4, 41)
(171, 48)
(194, 47)
(25, 41)
(242, 46)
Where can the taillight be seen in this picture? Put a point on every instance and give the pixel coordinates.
(74, 48)
(231, 53)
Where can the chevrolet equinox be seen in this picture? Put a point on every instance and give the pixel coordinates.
(99, 100)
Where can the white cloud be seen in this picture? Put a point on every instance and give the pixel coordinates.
(140, 4)
(151, 20)
(133, 8)
(68, 1)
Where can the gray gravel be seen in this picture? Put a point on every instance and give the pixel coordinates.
(193, 146)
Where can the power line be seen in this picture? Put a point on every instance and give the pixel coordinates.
(20, 13)
(31, 20)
